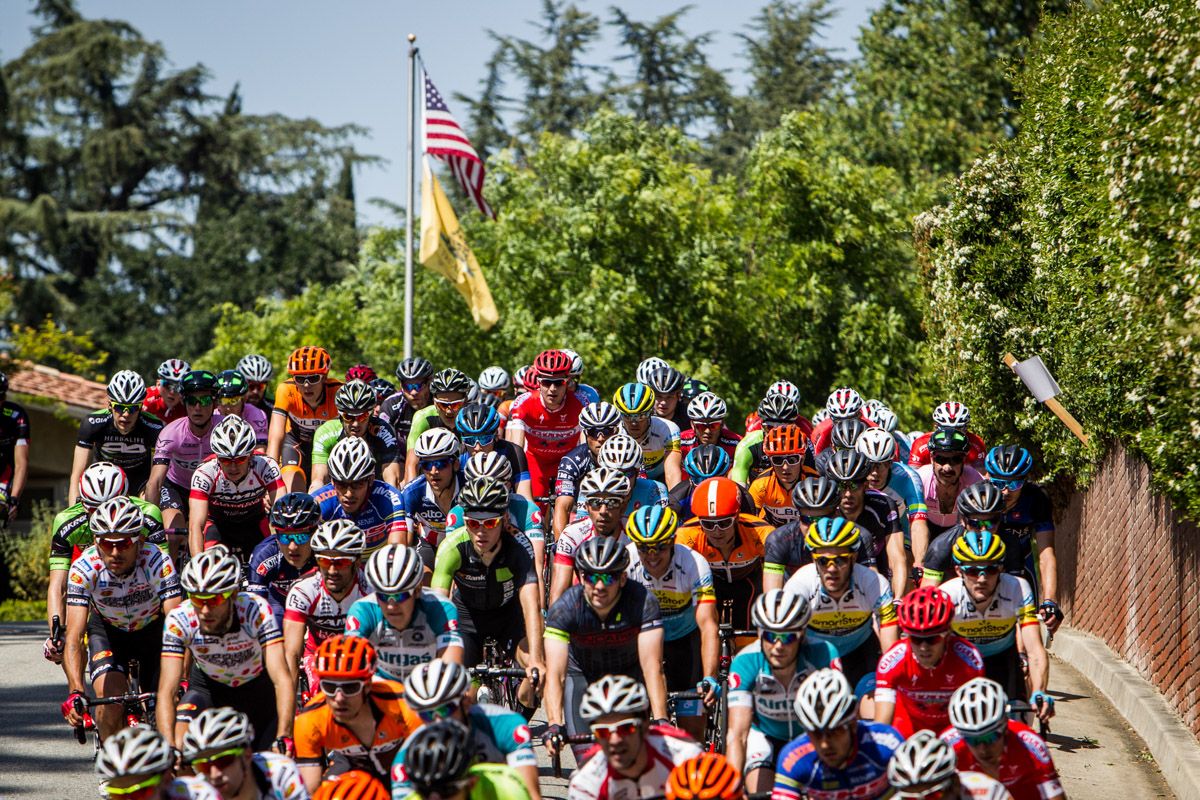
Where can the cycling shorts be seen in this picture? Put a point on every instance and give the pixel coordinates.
(1005, 669)
(255, 699)
(172, 495)
(111, 649)
(683, 670)
(506, 626)
(240, 534)
(295, 455)
(859, 666)
(761, 750)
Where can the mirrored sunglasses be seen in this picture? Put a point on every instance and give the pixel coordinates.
(597, 503)
(482, 440)
(334, 562)
(773, 637)
(394, 597)
(210, 599)
(138, 791)
(600, 578)
(622, 728)
(436, 463)
(124, 408)
(115, 545)
(716, 524)
(198, 400)
(294, 538)
(484, 523)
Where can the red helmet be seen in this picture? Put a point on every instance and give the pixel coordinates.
(926, 611)
(716, 497)
(361, 372)
(552, 364)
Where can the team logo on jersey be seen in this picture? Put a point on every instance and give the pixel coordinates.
(352, 624)
(186, 707)
(521, 735)
(1035, 746)
(735, 681)
(452, 520)
(103, 654)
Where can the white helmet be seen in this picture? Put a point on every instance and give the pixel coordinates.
(599, 415)
(119, 516)
(576, 370)
(920, 759)
(819, 417)
(781, 610)
(648, 368)
(488, 465)
(873, 405)
(978, 707)
(613, 694)
(519, 376)
(437, 443)
(707, 407)
(339, 536)
(951, 414)
(232, 437)
(101, 481)
(395, 568)
(825, 701)
(436, 683)
(351, 460)
(621, 452)
(843, 403)
(877, 445)
(494, 379)
(173, 369)
(133, 751)
(785, 388)
(213, 571)
(216, 729)
(884, 418)
(126, 387)
(605, 480)
(255, 368)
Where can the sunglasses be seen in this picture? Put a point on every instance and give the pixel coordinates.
(449, 405)
(441, 712)
(926, 640)
(651, 549)
(229, 401)
(307, 380)
(983, 738)
(221, 760)
(232, 459)
(207, 600)
(551, 383)
(436, 463)
(946, 460)
(198, 400)
(257, 386)
(622, 728)
(294, 538)
(115, 545)
(171, 386)
(394, 597)
(601, 433)
(850, 486)
(124, 408)
(979, 524)
(482, 440)
(785, 461)
(139, 791)
(716, 524)
(334, 562)
(330, 688)
(831, 561)
(636, 417)
(979, 571)
(707, 426)
(597, 503)
(771, 637)
(355, 417)
(1008, 486)
(412, 387)
(600, 578)
(350, 486)
(484, 523)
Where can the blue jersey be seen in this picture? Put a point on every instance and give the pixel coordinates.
(271, 575)
(904, 487)
(427, 518)
(381, 515)
(753, 685)
(799, 772)
(525, 516)
(433, 628)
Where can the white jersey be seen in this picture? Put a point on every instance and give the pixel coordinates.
(669, 747)
(309, 602)
(232, 658)
(192, 789)
(573, 536)
(280, 775)
(684, 587)
(243, 498)
(845, 622)
(977, 786)
(129, 602)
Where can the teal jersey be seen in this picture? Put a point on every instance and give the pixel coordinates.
(433, 628)
(753, 685)
(501, 739)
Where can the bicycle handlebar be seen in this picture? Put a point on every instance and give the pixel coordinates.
(80, 709)
(497, 672)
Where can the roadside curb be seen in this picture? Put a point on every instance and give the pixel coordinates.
(1175, 750)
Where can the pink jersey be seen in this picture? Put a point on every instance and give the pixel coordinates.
(182, 450)
(929, 490)
(922, 696)
(256, 418)
(1026, 769)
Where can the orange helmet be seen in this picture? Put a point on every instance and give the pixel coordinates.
(308, 360)
(352, 785)
(785, 440)
(707, 776)
(716, 497)
(346, 657)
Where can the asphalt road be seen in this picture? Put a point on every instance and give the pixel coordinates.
(1099, 757)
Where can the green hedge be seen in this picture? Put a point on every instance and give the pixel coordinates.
(1078, 241)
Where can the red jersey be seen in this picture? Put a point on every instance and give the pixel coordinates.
(158, 407)
(549, 435)
(919, 455)
(922, 696)
(1026, 769)
(727, 441)
(822, 434)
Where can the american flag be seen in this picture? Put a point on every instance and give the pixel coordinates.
(445, 140)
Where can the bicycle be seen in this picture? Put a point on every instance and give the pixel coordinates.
(1021, 711)
(719, 715)
(499, 680)
(137, 705)
(548, 548)
(562, 740)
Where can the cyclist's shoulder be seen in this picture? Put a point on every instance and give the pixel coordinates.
(67, 515)
(978, 786)
(878, 738)
(965, 652)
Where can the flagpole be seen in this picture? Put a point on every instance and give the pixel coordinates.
(408, 217)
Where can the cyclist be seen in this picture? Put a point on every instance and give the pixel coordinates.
(899, 482)
(316, 604)
(495, 381)
(707, 776)
(429, 498)
(118, 592)
(438, 690)
(942, 480)
(285, 557)
(786, 448)
(478, 427)
(182, 446)
(924, 766)
(586, 394)
(546, 422)
(606, 494)
(624, 454)
(667, 384)
(218, 748)
(235, 653)
(658, 437)
(303, 403)
(408, 627)
(357, 723)
(949, 415)
(702, 462)
(749, 460)
(412, 376)
(165, 399)
(706, 425)
(355, 403)
(842, 436)
(636, 756)
(600, 422)
(852, 605)
(437, 764)
(232, 394)
(383, 389)
(354, 494)
(136, 764)
(786, 551)
(646, 366)
(873, 512)
(842, 403)
(225, 504)
(986, 740)
(763, 680)
(451, 390)
(257, 371)
(361, 372)
(878, 414)
(120, 434)
(915, 678)
(979, 509)
(682, 581)
(838, 755)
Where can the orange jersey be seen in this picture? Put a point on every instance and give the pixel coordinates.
(773, 500)
(745, 559)
(318, 735)
(302, 419)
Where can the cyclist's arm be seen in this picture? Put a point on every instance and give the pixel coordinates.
(320, 477)
(743, 459)
(285, 686)
(525, 489)
(445, 564)
(158, 473)
(650, 654)
(78, 464)
(673, 468)
(1048, 565)
(531, 608)
(710, 641)
(897, 558)
(293, 645)
(560, 580)
(739, 730)
(556, 674)
(1035, 651)
(55, 596)
(73, 660)
(275, 434)
(197, 517)
(392, 473)
(918, 530)
(20, 470)
(170, 673)
(515, 435)
(563, 506)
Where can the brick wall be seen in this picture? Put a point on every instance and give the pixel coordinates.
(1130, 573)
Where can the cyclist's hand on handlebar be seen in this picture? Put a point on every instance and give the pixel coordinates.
(1051, 614)
(1043, 704)
(711, 690)
(70, 713)
(285, 746)
(553, 739)
(52, 650)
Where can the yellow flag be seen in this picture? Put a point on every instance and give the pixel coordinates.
(444, 250)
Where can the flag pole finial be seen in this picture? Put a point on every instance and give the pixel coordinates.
(412, 37)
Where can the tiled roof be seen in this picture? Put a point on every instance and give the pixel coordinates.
(51, 384)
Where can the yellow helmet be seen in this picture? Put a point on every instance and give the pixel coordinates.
(651, 525)
(832, 532)
(978, 547)
(634, 399)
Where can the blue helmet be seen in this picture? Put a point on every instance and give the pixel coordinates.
(1008, 461)
(634, 399)
(706, 461)
(477, 419)
(975, 547)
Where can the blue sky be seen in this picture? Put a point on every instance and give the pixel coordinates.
(345, 61)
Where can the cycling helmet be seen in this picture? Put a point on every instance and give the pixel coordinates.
(602, 554)
(825, 701)
(230, 383)
(484, 494)
(354, 397)
(216, 729)
(708, 776)
(232, 437)
(351, 460)
(552, 364)
(436, 683)
(833, 532)
(488, 465)
(775, 409)
(395, 568)
(605, 481)
(847, 465)
(716, 497)
(843, 403)
(134, 751)
(339, 536)
(173, 369)
(101, 481)
(978, 547)
(621, 452)
(382, 388)
(295, 512)
(785, 388)
(926, 611)
(665, 380)
(876, 445)
(494, 379)
(693, 388)
(706, 461)
(1009, 462)
(450, 381)
(885, 418)
(437, 443)
(781, 611)
(651, 524)
(785, 440)
(951, 414)
(707, 407)
(920, 759)
(414, 369)
(813, 494)
(978, 707)
(437, 757)
(119, 516)
(980, 499)
(576, 363)
(596, 416)
(353, 785)
(361, 372)
(477, 419)
(197, 381)
(476, 396)
(519, 376)
(647, 366)
(845, 432)
(872, 405)
(949, 440)
(613, 694)
(255, 368)
(820, 416)
(126, 387)
(308, 360)
(213, 571)
(634, 399)
(345, 657)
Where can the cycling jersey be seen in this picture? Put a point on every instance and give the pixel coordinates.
(381, 516)
(549, 435)
(922, 696)
(727, 441)
(919, 455)
(523, 515)
(230, 500)
(253, 416)
(270, 576)
(821, 435)
(232, 658)
(680, 498)
(977, 786)
(785, 550)
(308, 601)
(992, 629)
(488, 782)
(182, 449)
(845, 621)
(646, 492)
(1026, 768)
(573, 537)
(154, 404)
(513, 454)
(746, 557)
(596, 647)
(72, 529)
(421, 506)
(943, 519)
(380, 437)
(1030, 516)
(302, 419)
(14, 432)
(904, 487)
(939, 557)
(748, 460)
(127, 602)
(319, 736)
(433, 627)
(479, 586)
(753, 685)
(660, 440)
(131, 451)
(578, 462)
(189, 788)
(396, 411)
(277, 777)
(668, 747)
(773, 500)
(685, 586)
(801, 773)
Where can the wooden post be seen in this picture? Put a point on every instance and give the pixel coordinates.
(1055, 406)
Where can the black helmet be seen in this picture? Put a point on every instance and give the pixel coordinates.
(197, 381)
(383, 389)
(812, 494)
(778, 409)
(354, 397)
(980, 499)
(949, 440)
(847, 465)
(230, 383)
(484, 494)
(295, 511)
(450, 380)
(693, 387)
(602, 554)
(414, 369)
(437, 757)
